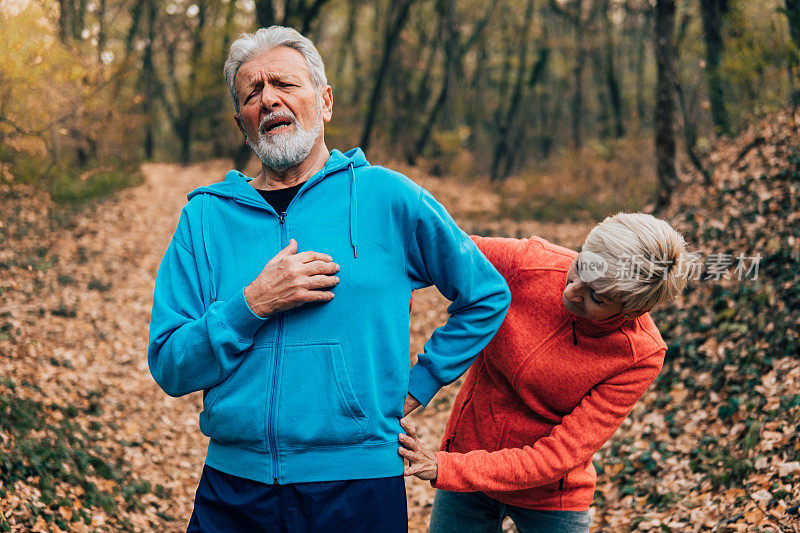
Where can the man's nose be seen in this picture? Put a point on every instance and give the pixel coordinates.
(269, 98)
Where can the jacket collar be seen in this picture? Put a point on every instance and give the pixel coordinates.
(594, 328)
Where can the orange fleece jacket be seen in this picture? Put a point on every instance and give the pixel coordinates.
(547, 391)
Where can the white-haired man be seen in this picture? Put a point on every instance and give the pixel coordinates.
(303, 362)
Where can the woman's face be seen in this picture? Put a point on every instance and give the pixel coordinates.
(580, 299)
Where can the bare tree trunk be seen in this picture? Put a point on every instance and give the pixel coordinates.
(577, 97)
(415, 98)
(792, 12)
(310, 14)
(445, 8)
(689, 124)
(604, 111)
(187, 112)
(640, 64)
(299, 15)
(101, 31)
(136, 17)
(394, 24)
(713, 13)
(524, 115)
(453, 54)
(149, 80)
(265, 14)
(665, 102)
(78, 15)
(612, 79)
(65, 20)
(580, 20)
(349, 49)
(502, 148)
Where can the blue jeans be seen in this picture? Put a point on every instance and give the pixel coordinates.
(475, 512)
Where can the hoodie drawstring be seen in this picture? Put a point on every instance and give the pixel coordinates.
(574, 335)
(204, 216)
(353, 211)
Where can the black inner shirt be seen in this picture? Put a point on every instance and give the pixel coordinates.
(279, 198)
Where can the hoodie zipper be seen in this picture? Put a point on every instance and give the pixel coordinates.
(272, 431)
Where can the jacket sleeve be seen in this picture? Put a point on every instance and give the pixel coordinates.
(440, 254)
(192, 347)
(570, 444)
(504, 253)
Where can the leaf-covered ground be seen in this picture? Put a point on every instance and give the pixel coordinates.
(89, 443)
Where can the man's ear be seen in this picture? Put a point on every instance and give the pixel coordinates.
(327, 103)
(238, 120)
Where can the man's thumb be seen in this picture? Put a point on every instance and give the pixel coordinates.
(290, 249)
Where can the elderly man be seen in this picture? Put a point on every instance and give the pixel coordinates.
(303, 362)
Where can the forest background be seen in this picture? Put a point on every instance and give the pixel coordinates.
(522, 116)
(578, 93)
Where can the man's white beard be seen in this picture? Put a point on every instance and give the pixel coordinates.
(279, 151)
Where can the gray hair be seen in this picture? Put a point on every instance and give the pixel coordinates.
(249, 45)
(646, 260)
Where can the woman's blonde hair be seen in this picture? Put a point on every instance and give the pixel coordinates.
(644, 260)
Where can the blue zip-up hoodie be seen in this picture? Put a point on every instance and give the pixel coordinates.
(315, 393)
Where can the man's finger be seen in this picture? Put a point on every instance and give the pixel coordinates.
(316, 296)
(309, 255)
(321, 282)
(320, 267)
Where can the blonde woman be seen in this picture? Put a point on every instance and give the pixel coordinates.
(576, 351)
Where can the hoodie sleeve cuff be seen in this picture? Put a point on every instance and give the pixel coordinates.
(422, 384)
(239, 318)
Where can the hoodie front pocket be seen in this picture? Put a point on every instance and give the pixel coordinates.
(317, 404)
(234, 411)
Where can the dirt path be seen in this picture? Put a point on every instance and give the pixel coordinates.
(78, 322)
(77, 302)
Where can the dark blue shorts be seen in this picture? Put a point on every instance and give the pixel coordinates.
(228, 503)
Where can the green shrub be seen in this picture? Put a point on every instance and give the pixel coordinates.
(58, 453)
(68, 190)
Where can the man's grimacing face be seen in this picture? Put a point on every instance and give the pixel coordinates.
(278, 104)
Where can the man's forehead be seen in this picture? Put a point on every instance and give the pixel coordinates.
(277, 62)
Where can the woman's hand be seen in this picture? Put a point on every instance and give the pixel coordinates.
(421, 462)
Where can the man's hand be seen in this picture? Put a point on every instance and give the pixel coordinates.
(410, 404)
(421, 462)
(290, 279)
